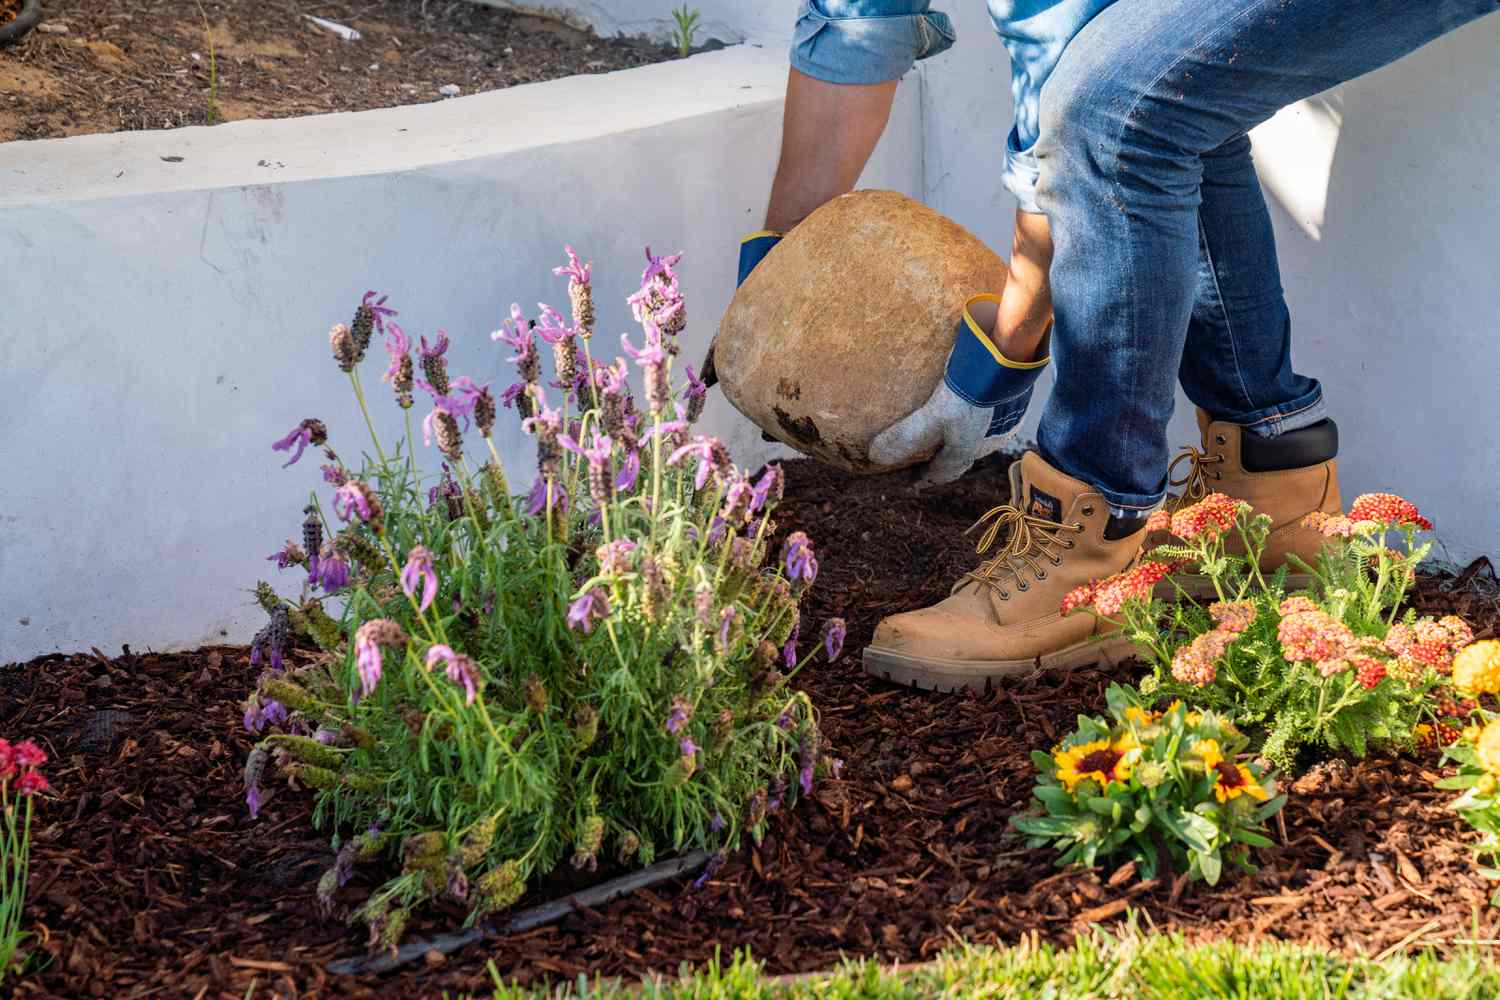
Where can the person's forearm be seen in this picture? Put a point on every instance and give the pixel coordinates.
(829, 131)
(1024, 313)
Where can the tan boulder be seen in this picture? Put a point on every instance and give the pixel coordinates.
(846, 325)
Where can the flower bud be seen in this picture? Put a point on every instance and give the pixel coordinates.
(500, 887)
(476, 843)
(536, 694)
(313, 776)
(345, 351)
(585, 727)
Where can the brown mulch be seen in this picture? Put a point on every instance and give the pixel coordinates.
(149, 875)
(144, 64)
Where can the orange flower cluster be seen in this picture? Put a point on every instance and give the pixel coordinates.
(1232, 616)
(1428, 643)
(1109, 596)
(1317, 637)
(1329, 525)
(1388, 508)
(1207, 519)
(1196, 663)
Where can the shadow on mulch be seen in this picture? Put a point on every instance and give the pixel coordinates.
(148, 875)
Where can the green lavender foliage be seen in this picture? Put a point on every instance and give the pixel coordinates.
(662, 725)
(684, 28)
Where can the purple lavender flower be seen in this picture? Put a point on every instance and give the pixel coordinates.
(255, 766)
(789, 652)
(368, 639)
(333, 570)
(544, 494)
(288, 555)
(419, 570)
(677, 718)
(659, 303)
(335, 475)
(716, 823)
(834, 631)
(688, 747)
(805, 778)
(379, 311)
(710, 454)
(614, 557)
(574, 269)
(667, 429)
(726, 620)
(439, 346)
(252, 800)
(511, 394)
(398, 346)
(592, 607)
(255, 719)
(274, 712)
(738, 497)
(630, 471)
(325, 736)
(308, 432)
(710, 870)
(778, 793)
(696, 391)
(768, 488)
(801, 565)
(461, 669)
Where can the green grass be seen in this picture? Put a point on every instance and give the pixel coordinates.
(1100, 965)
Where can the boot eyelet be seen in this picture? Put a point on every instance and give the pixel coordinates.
(1218, 475)
(1004, 595)
(1054, 560)
(1088, 511)
(1041, 574)
(1067, 545)
(1078, 526)
(1220, 439)
(1023, 586)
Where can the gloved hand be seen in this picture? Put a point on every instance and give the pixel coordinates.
(753, 250)
(982, 397)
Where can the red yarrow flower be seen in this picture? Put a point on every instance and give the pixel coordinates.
(1208, 518)
(1388, 509)
(27, 754)
(1135, 584)
(1232, 616)
(31, 783)
(1370, 672)
(1314, 636)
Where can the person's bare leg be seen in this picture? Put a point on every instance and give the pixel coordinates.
(828, 132)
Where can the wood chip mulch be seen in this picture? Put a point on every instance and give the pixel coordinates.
(149, 879)
(145, 64)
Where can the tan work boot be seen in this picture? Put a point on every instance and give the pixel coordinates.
(1285, 478)
(1005, 617)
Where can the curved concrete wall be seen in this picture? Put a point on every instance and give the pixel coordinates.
(163, 322)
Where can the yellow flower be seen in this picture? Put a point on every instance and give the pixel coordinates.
(1138, 715)
(1487, 749)
(1486, 785)
(1476, 669)
(1471, 734)
(1191, 718)
(1210, 753)
(1097, 760)
(1234, 780)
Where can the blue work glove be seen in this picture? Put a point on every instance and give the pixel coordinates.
(753, 250)
(982, 397)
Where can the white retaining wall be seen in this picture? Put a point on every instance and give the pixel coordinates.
(161, 322)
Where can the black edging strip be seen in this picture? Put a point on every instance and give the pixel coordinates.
(447, 944)
(31, 13)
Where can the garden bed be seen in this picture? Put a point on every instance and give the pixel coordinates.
(138, 65)
(147, 870)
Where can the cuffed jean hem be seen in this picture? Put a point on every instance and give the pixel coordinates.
(1120, 504)
(1273, 421)
(863, 48)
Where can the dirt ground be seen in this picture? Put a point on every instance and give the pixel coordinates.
(151, 64)
(150, 879)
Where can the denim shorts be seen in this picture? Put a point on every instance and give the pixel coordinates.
(866, 41)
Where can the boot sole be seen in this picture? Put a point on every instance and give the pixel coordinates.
(942, 675)
(1201, 588)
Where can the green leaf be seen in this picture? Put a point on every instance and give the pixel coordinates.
(1251, 837)
(1044, 762)
(1270, 808)
(1210, 865)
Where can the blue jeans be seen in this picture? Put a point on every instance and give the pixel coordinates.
(1165, 263)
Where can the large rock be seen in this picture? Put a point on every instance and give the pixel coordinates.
(844, 328)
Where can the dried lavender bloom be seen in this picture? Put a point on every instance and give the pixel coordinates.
(420, 570)
(808, 760)
(458, 883)
(564, 347)
(344, 350)
(312, 538)
(356, 498)
(630, 845)
(727, 618)
(654, 592)
(308, 432)
(546, 425)
(778, 793)
(435, 364)
(449, 493)
(723, 728)
(590, 839)
(585, 727)
(476, 843)
(580, 292)
(696, 392)
(703, 604)
(445, 429)
(591, 607)
(679, 715)
(789, 652)
(834, 631)
(484, 412)
(710, 870)
(536, 694)
(755, 808)
(290, 554)
(614, 557)
(500, 887)
(368, 640)
(272, 640)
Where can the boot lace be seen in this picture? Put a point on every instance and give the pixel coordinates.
(1194, 482)
(1031, 540)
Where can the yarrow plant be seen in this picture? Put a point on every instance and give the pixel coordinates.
(1335, 667)
(1142, 785)
(592, 670)
(21, 780)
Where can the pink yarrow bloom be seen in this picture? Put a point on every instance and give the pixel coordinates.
(419, 571)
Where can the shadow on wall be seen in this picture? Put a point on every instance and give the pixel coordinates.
(1388, 219)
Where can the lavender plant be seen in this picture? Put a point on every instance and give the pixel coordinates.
(594, 670)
